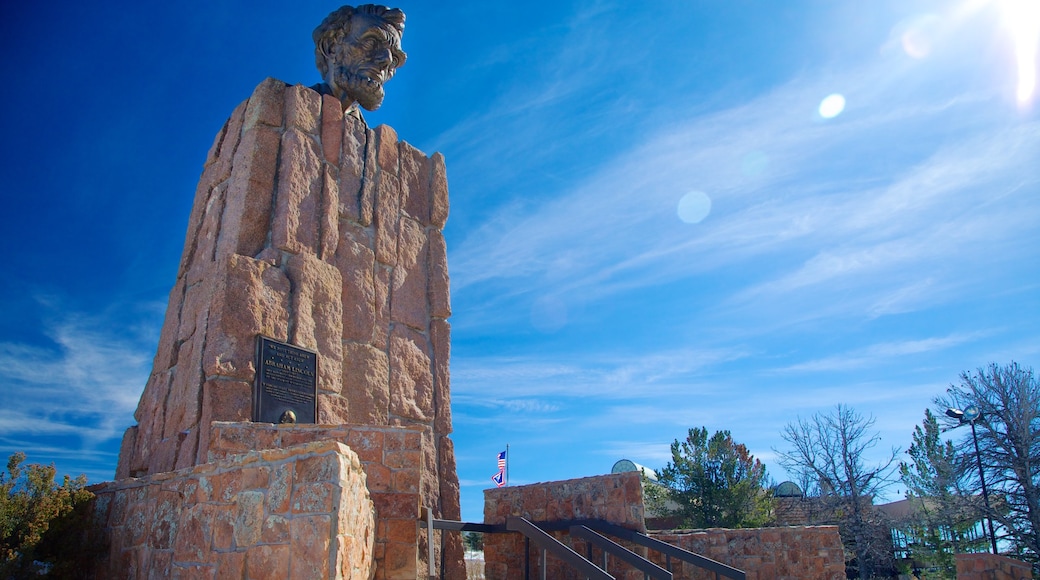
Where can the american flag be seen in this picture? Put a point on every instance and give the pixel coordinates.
(500, 477)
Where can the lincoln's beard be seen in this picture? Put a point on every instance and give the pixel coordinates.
(349, 87)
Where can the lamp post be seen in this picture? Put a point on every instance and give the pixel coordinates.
(969, 415)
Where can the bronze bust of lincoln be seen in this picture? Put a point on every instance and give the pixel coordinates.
(357, 50)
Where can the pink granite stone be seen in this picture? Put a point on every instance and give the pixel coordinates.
(387, 216)
(127, 449)
(386, 139)
(247, 213)
(333, 409)
(415, 183)
(451, 548)
(229, 143)
(331, 129)
(317, 317)
(300, 178)
(381, 329)
(411, 381)
(440, 339)
(370, 169)
(166, 352)
(251, 298)
(182, 399)
(439, 293)
(356, 263)
(187, 447)
(151, 414)
(266, 105)
(193, 312)
(203, 255)
(366, 383)
(215, 174)
(222, 400)
(410, 277)
(302, 109)
(429, 483)
(328, 221)
(438, 191)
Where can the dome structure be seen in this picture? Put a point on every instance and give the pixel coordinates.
(787, 489)
(625, 465)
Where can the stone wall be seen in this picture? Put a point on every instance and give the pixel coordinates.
(991, 567)
(299, 512)
(793, 553)
(616, 498)
(391, 458)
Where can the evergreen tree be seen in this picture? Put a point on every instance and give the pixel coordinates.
(943, 511)
(712, 483)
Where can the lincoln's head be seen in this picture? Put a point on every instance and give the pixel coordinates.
(357, 50)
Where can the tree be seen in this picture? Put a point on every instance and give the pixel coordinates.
(1008, 431)
(40, 519)
(830, 449)
(473, 541)
(944, 511)
(712, 483)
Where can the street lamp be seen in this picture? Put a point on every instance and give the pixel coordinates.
(969, 415)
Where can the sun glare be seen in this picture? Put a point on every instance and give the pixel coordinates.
(1023, 20)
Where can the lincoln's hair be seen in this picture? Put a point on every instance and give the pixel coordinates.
(336, 27)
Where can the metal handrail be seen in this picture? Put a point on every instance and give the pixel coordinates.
(558, 549)
(649, 569)
(538, 534)
(667, 549)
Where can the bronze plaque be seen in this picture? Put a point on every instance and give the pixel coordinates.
(286, 383)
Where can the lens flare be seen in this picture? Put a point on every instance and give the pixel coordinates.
(832, 106)
(918, 35)
(1023, 19)
(694, 207)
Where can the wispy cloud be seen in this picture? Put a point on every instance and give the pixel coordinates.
(882, 354)
(595, 376)
(85, 383)
(828, 209)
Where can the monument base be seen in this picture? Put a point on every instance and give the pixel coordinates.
(299, 512)
(307, 501)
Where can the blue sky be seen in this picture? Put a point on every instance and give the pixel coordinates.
(652, 225)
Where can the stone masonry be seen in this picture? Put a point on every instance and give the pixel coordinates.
(309, 228)
(784, 553)
(991, 567)
(390, 458)
(299, 512)
(616, 498)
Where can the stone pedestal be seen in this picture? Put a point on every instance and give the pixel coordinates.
(311, 229)
(299, 512)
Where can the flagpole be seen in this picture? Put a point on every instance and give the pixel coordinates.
(507, 464)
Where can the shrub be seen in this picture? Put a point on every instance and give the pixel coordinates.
(44, 525)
